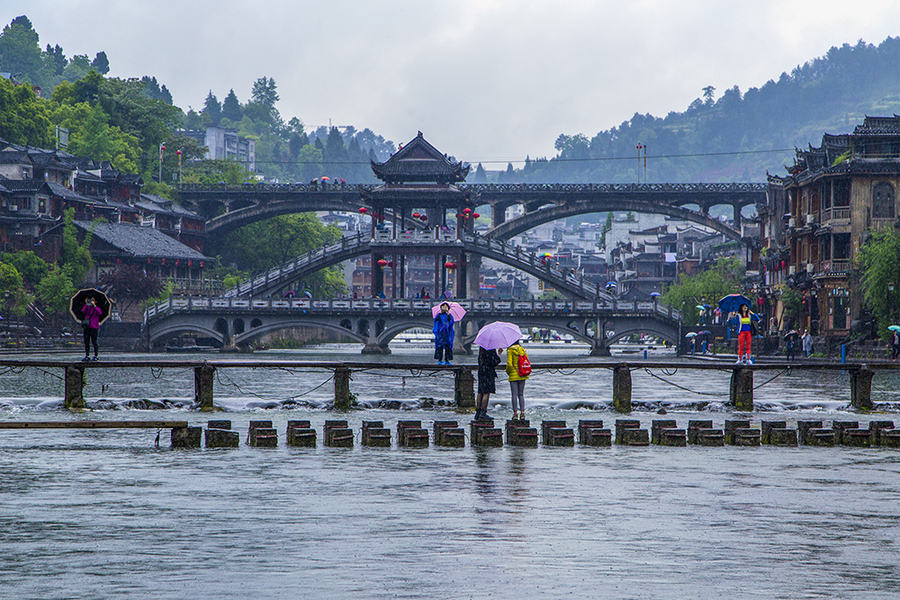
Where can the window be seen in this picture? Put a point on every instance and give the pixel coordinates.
(883, 201)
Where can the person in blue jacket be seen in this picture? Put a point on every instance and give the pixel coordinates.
(443, 336)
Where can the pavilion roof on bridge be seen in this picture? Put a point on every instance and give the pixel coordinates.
(420, 162)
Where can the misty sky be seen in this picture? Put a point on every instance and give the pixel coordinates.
(484, 80)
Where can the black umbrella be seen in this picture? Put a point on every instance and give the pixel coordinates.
(76, 304)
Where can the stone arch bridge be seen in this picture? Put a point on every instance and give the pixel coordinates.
(280, 278)
(244, 204)
(237, 322)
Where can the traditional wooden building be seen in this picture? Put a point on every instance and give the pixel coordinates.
(820, 214)
(421, 202)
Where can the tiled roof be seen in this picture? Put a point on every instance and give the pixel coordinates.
(26, 185)
(419, 161)
(70, 196)
(14, 157)
(141, 242)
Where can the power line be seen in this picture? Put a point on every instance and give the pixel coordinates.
(561, 160)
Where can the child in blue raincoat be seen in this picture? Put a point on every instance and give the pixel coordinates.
(443, 336)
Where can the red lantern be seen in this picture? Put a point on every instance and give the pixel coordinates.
(201, 264)
(475, 215)
(467, 210)
(391, 264)
(363, 210)
(424, 217)
(449, 265)
(416, 215)
(382, 263)
(190, 263)
(459, 216)
(118, 261)
(176, 262)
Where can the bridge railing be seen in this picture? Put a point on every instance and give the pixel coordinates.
(479, 188)
(353, 305)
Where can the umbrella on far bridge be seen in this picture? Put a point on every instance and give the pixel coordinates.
(894, 327)
(498, 334)
(691, 334)
(456, 311)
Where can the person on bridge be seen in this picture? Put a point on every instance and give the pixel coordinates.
(895, 345)
(443, 336)
(518, 368)
(91, 324)
(744, 321)
(487, 377)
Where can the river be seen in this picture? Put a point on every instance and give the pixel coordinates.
(107, 514)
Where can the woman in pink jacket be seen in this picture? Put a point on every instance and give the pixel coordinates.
(91, 314)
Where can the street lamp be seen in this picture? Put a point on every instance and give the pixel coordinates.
(162, 149)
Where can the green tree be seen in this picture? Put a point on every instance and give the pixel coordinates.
(91, 135)
(20, 52)
(54, 291)
(100, 63)
(76, 258)
(880, 265)
(703, 288)
(274, 241)
(212, 108)
(32, 267)
(231, 108)
(24, 119)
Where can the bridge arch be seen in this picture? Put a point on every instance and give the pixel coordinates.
(530, 220)
(279, 325)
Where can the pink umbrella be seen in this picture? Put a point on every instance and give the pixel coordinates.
(456, 311)
(498, 334)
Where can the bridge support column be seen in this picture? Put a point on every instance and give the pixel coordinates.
(203, 387)
(622, 389)
(473, 276)
(861, 388)
(737, 216)
(741, 394)
(464, 388)
(342, 389)
(74, 398)
(599, 349)
(498, 215)
(372, 348)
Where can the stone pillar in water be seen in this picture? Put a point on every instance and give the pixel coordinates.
(464, 386)
(203, 387)
(74, 398)
(622, 389)
(342, 389)
(861, 388)
(741, 393)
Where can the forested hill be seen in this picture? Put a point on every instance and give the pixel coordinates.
(829, 94)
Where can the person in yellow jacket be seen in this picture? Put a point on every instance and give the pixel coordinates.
(516, 380)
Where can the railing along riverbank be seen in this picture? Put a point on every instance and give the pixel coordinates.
(740, 390)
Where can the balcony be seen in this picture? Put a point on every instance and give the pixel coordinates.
(836, 214)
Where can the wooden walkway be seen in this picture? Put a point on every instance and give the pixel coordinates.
(740, 392)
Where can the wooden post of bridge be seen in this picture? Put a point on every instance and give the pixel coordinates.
(342, 389)
(464, 386)
(861, 388)
(74, 397)
(741, 392)
(622, 389)
(203, 387)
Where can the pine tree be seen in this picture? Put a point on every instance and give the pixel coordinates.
(231, 108)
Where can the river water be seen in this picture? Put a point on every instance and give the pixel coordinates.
(107, 514)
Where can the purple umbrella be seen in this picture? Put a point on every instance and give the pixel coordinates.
(456, 311)
(498, 334)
